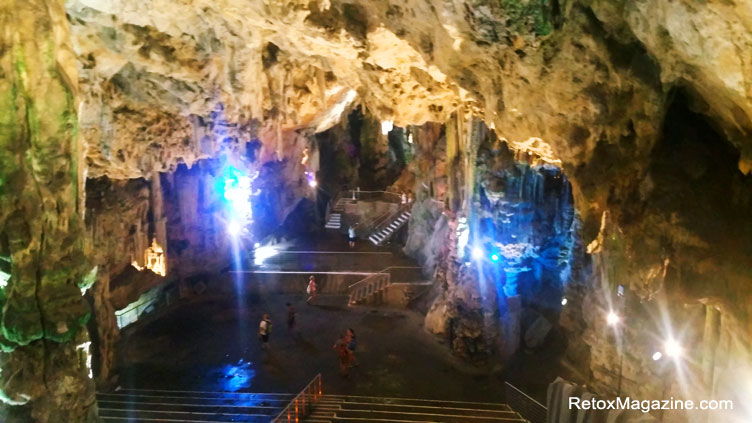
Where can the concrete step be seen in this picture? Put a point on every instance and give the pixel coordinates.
(332, 408)
(136, 405)
(378, 237)
(334, 222)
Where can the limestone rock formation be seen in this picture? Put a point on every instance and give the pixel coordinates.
(645, 105)
(43, 313)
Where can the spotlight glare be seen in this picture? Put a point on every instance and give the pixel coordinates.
(612, 318)
(564, 301)
(477, 253)
(673, 349)
(657, 356)
(494, 257)
(312, 183)
(263, 253)
(233, 228)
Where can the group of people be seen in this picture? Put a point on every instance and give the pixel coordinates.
(344, 347)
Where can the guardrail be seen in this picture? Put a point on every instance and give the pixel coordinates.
(373, 283)
(301, 406)
(525, 405)
(368, 287)
(372, 195)
(386, 221)
(127, 316)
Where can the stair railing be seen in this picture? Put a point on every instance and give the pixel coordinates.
(368, 286)
(394, 197)
(302, 405)
(525, 405)
(372, 284)
(390, 218)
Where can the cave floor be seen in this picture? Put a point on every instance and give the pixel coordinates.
(209, 343)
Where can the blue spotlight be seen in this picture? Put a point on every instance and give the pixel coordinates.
(494, 257)
(477, 253)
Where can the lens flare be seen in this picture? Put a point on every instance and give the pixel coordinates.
(673, 349)
(612, 318)
(234, 228)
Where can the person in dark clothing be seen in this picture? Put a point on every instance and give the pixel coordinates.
(265, 328)
(343, 355)
(290, 316)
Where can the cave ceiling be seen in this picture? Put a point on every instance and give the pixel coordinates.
(153, 73)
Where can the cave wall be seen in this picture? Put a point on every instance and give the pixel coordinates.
(43, 314)
(521, 210)
(586, 84)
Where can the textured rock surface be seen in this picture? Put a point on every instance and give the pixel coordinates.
(602, 87)
(43, 312)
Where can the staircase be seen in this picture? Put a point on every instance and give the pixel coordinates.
(381, 235)
(337, 408)
(334, 222)
(368, 287)
(158, 406)
(335, 217)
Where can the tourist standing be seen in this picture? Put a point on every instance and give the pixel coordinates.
(311, 289)
(290, 317)
(265, 329)
(351, 235)
(340, 347)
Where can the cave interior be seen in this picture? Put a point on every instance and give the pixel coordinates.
(506, 192)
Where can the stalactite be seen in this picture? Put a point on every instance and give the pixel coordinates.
(157, 208)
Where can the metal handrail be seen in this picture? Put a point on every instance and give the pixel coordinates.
(527, 406)
(138, 308)
(381, 272)
(372, 284)
(384, 193)
(380, 282)
(301, 406)
(402, 208)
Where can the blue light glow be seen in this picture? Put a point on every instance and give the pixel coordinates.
(477, 253)
(311, 177)
(494, 257)
(236, 188)
(236, 377)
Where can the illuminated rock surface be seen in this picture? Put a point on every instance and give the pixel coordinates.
(646, 106)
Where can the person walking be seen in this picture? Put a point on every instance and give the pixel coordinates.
(290, 317)
(311, 289)
(265, 329)
(351, 344)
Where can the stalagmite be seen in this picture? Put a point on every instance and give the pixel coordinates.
(107, 327)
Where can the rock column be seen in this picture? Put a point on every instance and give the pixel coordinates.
(43, 312)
